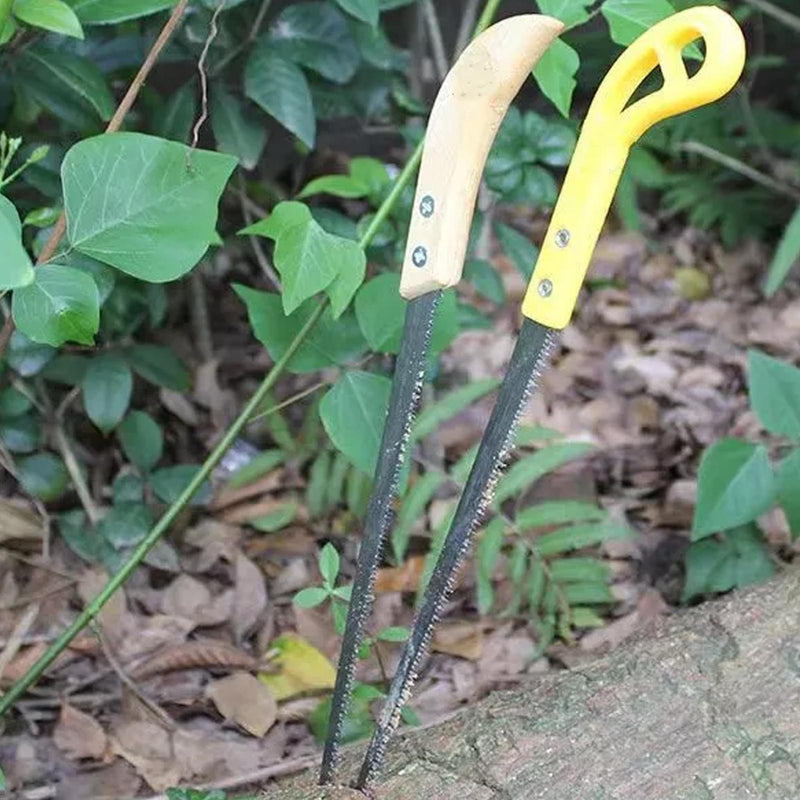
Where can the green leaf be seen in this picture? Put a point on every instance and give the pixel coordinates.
(337, 185)
(108, 12)
(570, 12)
(43, 475)
(788, 478)
(629, 19)
(519, 248)
(141, 439)
(532, 467)
(489, 546)
(580, 570)
(160, 225)
(276, 519)
(353, 413)
(73, 77)
(358, 722)
(449, 405)
(104, 277)
(740, 557)
(16, 268)
(557, 512)
(256, 468)
(174, 119)
(575, 537)
(51, 15)
(371, 173)
(13, 402)
(329, 341)
(280, 88)
(413, 505)
(315, 35)
(352, 266)
(735, 484)
(169, 482)
(236, 129)
(486, 280)
(127, 488)
(158, 365)
(365, 10)
(62, 304)
(586, 618)
(26, 356)
(394, 633)
(329, 564)
(125, 525)
(775, 393)
(310, 597)
(785, 257)
(317, 481)
(106, 388)
(555, 74)
(8, 212)
(285, 215)
(21, 434)
(585, 593)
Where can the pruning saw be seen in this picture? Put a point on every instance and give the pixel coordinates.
(466, 115)
(612, 125)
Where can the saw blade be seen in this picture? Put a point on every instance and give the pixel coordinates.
(412, 361)
(530, 357)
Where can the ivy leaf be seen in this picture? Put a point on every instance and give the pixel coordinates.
(141, 439)
(43, 475)
(160, 226)
(15, 268)
(629, 19)
(337, 185)
(106, 388)
(316, 35)
(279, 87)
(555, 74)
(366, 10)
(108, 12)
(735, 484)
(775, 393)
(328, 343)
(62, 304)
(50, 15)
(285, 215)
(174, 119)
(353, 413)
(236, 130)
(570, 12)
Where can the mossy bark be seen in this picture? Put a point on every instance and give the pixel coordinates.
(705, 706)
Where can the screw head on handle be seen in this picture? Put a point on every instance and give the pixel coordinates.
(427, 206)
(545, 287)
(419, 256)
(562, 237)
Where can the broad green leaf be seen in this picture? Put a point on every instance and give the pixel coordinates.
(575, 537)
(786, 255)
(160, 226)
(579, 570)
(51, 15)
(774, 393)
(414, 503)
(371, 173)
(169, 483)
(329, 564)
(8, 212)
(106, 388)
(451, 404)
(486, 280)
(365, 10)
(629, 19)
(519, 248)
(13, 402)
(74, 78)
(141, 439)
(66, 368)
(285, 215)
(570, 12)
(62, 304)
(555, 74)
(740, 557)
(236, 128)
(174, 119)
(22, 434)
(353, 413)
(337, 185)
(735, 484)
(15, 268)
(315, 35)
(329, 342)
(256, 468)
(108, 12)
(351, 264)
(557, 512)
(310, 597)
(104, 277)
(125, 525)
(26, 356)
(43, 475)
(158, 365)
(279, 87)
(788, 478)
(532, 467)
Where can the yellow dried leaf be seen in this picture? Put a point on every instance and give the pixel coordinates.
(302, 668)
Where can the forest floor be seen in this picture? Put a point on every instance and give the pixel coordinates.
(651, 371)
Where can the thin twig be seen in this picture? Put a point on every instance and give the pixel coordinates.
(291, 400)
(51, 245)
(258, 250)
(739, 166)
(464, 34)
(198, 311)
(17, 635)
(437, 40)
(201, 68)
(251, 37)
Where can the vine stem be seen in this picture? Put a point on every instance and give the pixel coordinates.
(113, 126)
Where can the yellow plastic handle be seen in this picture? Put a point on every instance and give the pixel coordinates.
(609, 131)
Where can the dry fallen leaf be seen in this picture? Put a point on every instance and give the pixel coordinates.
(302, 668)
(18, 522)
(463, 639)
(148, 748)
(189, 598)
(207, 653)
(404, 578)
(79, 735)
(249, 597)
(246, 701)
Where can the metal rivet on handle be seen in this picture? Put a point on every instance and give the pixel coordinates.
(426, 206)
(545, 287)
(562, 238)
(419, 256)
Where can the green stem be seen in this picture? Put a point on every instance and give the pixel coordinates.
(485, 20)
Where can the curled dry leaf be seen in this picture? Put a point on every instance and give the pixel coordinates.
(463, 639)
(245, 700)
(148, 748)
(79, 735)
(206, 653)
(302, 667)
(249, 596)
